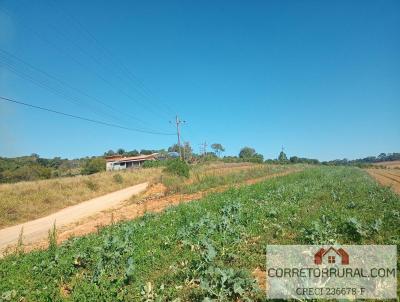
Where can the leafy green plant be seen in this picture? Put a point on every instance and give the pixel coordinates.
(320, 233)
(354, 229)
(177, 167)
(93, 165)
(155, 163)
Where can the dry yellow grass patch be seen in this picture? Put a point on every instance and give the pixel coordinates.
(25, 201)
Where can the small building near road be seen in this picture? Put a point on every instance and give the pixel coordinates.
(119, 162)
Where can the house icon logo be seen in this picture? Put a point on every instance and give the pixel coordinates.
(331, 256)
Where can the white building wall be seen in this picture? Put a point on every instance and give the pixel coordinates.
(115, 166)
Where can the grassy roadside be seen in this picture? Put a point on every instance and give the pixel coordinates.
(24, 201)
(208, 248)
(204, 178)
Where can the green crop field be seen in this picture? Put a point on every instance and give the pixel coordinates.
(207, 250)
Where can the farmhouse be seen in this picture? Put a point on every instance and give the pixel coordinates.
(119, 162)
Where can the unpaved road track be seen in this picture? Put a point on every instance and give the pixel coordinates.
(38, 229)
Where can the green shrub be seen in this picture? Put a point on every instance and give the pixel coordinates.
(94, 165)
(177, 167)
(154, 163)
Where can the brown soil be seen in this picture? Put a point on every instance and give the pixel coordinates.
(153, 200)
(261, 277)
(387, 177)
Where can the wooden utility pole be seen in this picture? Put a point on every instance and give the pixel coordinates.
(178, 133)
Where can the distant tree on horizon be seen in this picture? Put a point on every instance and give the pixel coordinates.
(250, 154)
(247, 152)
(218, 149)
(187, 151)
(121, 151)
(109, 153)
(282, 157)
(134, 152)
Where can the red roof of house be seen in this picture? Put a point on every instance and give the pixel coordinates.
(130, 158)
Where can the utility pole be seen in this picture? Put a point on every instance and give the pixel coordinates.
(178, 133)
(203, 148)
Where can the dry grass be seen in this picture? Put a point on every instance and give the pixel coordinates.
(25, 201)
(389, 164)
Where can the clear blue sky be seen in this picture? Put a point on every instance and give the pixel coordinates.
(321, 78)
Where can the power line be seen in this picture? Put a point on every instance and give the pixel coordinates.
(54, 78)
(83, 65)
(56, 91)
(122, 67)
(67, 97)
(84, 118)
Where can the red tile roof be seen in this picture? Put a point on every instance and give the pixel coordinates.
(121, 158)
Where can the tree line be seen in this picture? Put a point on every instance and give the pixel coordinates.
(34, 167)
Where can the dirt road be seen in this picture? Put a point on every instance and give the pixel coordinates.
(38, 229)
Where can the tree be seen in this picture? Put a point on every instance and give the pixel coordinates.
(93, 165)
(247, 152)
(35, 156)
(109, 153)
(174, 148)
(257, 158)
(218, 149)
(121, 151)
(282, 157)
(147, 152)
(133, 153)
(187, 150)
(382, 156)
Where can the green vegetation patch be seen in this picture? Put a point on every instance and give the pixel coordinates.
(177, 167)
(208, 249)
